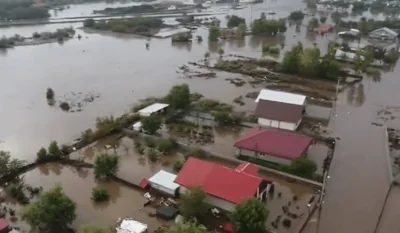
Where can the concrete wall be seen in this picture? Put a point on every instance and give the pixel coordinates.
(214, 201)
(268, 158)
(278, 124)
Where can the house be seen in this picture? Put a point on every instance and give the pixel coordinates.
(272, 145)
(384, 34)
(280, 110)
(4, 226)
(164, 182)
(225, 187)
(155, 108)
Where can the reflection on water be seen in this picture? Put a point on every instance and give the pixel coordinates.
(356, 95)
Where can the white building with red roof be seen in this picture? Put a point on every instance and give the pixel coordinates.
(273, 145)
(225, 187)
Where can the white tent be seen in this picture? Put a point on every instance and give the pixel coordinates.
(131, 226)
(165, 182)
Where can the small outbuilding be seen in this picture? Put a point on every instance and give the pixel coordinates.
(156, 108)
(165, 182)
(167, 212)
(131, 226)
(4, 226)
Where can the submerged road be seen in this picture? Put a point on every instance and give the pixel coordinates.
(359, 174)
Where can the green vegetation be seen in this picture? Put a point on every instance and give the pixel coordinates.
(178, 165)
(307, 62)
(366, 26)
(94, 229)
(270, 49)
(296, 15)
(59, 34)
(214, 33)
(53, 212)
(197, 153)
(9, 165)
(221, 52)
(268, 27)
(24, 9)
(187, 227)
(138, 25)
(241, 31)
(235, 21)
(99, 194)
(250, 216)
(166, 146)
(206, 56)
(179, 96)
(302, 167)
(49, 94)
(193, 205)
(313, 23)
(52, 153)
(152, 155)
(105, 166)
(322, 19)
(224, 118)
(151, 124)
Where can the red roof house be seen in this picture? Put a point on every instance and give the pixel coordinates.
(4, 226)
(273, 145)
(225, 187)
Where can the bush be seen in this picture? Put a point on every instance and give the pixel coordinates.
(178, 165)
(151, 124)
(99, 194)
(41, 154)
(270, 49)
(88, 135)
(226, 119)
(152, 155)
(166, 145)
(198, 153)
(50, 94)
(105, 166)
(296, 15)
(54, 150)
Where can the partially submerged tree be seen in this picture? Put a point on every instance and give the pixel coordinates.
(193, 204)
(49, 94)
(151, 123)
(214, 33)
(106, 166)
(9, 165)
(250, 216)
(187, 227)
(179, 95)
(206, 56)
(54, 150)
(91, 228)
(235, 21)
(302, 167)
(53, 212)
(221, 52)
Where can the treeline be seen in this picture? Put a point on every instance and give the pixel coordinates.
(15, 10)
(135, 25)
(366, 26)
(128, 10)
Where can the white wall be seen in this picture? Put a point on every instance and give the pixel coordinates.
(163, 189)
(214, 201)
(269, 158)
(278, 124)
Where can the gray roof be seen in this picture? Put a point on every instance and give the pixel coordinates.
(386, 30)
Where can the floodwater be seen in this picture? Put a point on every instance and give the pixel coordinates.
(122, 71)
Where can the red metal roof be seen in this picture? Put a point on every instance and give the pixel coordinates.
(248, 168)
(144, 184)
(219, 181)
(3, 224)
(228, 227)
(275, 142)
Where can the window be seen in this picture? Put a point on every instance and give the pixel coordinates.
(260, 154)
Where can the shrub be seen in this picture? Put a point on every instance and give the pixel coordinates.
(99, 194)
(65, 106)
(106, 166)
(151, 143)
(166, 145)
(178, 165)
(198, 153)
(50, 93)
(88, 135)
(54, 150)
(41, 154)
(152, 155)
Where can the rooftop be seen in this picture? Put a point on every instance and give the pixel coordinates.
(279, 143)
(152, 108)
(232, 185)
(165, 179)
(3, 224)
(131, 226)
(279, 111)
(280, 96)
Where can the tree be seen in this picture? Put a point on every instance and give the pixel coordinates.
(89, 22)
(54, 150)
(90, 228)
(292, 60)
(206, 56)
(99, 194)
(313, 23)
(296, 15)
(235, 21)
(41, 154)
(250, 216)
(193, 204)
(263, 16)
(241, 31)
(179, 96)
(53, 212)
(187, 227)
(268, 27)
(151, 123)
(214, 33)
(49, 94)
(221, 52)
(88, 135)
(302, 167)
(106, 166)
(8, 165)
(322, 19)
(309, 60)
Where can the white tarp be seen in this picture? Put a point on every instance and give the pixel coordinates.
(131, 226)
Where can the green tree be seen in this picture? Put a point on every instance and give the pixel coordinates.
(235, 21)
(250, 216)
(53, 212)
(193, 204)
(88, 135)
(322, 19)
(296, 15)
(41, 154)
(187, 227)
(90, 228)
(179, 97)
(292, 61)
(206, 56)
(9, 165)
(214, 33)
(302, 167)
(241, 31)
(221, 52)
(313, 23)
(151, 123)
(89, 22)
(309, 60)
(49, 94)
(106, 166)
(54, 150)
(268, 27)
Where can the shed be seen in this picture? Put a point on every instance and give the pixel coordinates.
(167, 212)
(4, 226)
(164, 182)
(131, 226)
(153, 109)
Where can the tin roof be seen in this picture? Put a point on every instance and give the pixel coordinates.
(280, 96)
(279, 111)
